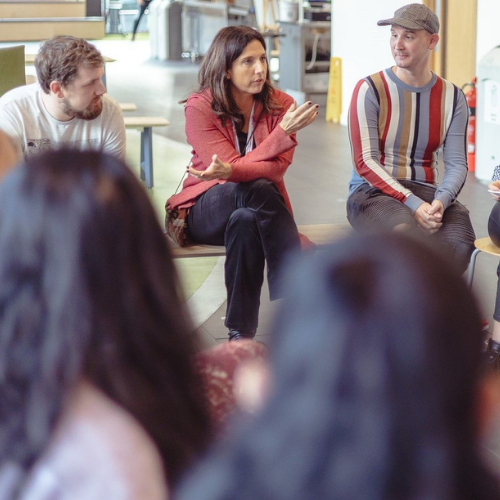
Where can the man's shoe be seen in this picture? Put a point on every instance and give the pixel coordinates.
(241, 334)
(492, 355)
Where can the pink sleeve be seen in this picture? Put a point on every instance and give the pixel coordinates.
(269, 160)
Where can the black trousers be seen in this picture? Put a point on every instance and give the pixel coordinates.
(253, 222)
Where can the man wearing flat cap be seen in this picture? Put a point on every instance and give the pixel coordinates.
(400, 119)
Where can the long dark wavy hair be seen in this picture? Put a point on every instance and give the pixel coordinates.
(376, 362)
(226, 47)
(88, 290)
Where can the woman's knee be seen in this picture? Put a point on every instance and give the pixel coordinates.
(243, 218)
(242, 227)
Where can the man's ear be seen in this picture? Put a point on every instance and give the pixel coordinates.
(433, 41)
(487, 402)
(56, 88)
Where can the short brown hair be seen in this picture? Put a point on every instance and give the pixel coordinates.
(60, 57)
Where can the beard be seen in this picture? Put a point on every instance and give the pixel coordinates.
(93, 110)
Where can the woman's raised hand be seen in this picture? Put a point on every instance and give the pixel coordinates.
(297, 118)
(216, 170)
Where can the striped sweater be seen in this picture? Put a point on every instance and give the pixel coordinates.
(396, 132)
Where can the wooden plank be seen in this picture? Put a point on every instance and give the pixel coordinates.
(127, 106)
(321, 234)
(145, 121)
(22, 30)
(486, 245)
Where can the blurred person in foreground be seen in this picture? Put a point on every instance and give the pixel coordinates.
(375, 387)
(99, 399)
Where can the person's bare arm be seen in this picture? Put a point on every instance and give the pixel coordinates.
(9, 155)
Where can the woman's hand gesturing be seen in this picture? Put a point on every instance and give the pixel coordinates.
(216, 170)
(297, 118)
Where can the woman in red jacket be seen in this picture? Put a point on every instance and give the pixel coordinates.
(242, 132)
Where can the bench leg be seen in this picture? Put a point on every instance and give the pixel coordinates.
(472, 265)
(147, 156)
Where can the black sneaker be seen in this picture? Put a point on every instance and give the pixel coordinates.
(492, 355)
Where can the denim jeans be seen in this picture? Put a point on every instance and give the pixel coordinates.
(253, 222)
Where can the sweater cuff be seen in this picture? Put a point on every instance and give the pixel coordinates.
(444, 198)
(413, 202)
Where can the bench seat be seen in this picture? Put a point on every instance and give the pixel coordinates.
(321, 234)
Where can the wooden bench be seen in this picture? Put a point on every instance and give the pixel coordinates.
(145, 124)
(321, 234)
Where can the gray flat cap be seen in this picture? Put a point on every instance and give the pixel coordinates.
(414, 16)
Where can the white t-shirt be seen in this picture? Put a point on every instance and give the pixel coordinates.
(23, 116)
(98, 452)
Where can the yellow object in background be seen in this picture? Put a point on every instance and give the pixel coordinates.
(334, 97)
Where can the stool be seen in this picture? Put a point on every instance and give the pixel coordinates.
(482, 245)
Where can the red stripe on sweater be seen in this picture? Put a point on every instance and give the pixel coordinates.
(361, 167)
(383, 138)
(435, 119)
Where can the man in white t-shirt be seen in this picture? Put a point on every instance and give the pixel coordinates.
(68, 106)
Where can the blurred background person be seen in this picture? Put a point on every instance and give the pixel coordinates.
(143, 6)
(376, 387)
(493, 343)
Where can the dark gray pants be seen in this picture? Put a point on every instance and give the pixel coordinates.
(368, 209)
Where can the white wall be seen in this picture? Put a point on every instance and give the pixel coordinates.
(488, 32)
(359, 42)
(364, 46)
(487, 130)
